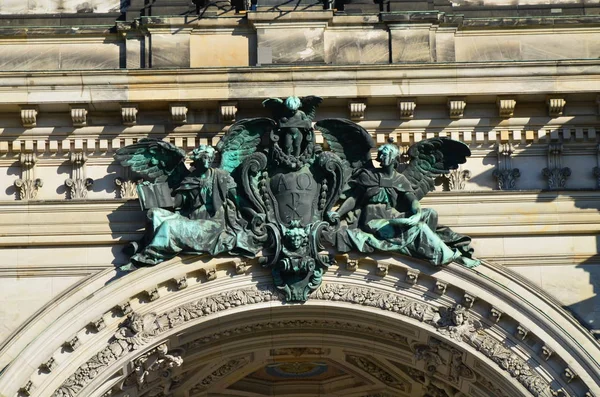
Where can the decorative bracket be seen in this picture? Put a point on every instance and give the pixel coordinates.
(495, 314)
(407, 108)
(29, 116)
(357, 109)
(79, 115)
(78, 184)
(28, 184)
(440, 287)
(129, 114)
(456, 107)
(412, 276)
(505, 174)
(49, 365)
(178, 113)
(456, 179)
(556, 106)
(506, 106)
(227, 112)
(555, 173)
(27, 389)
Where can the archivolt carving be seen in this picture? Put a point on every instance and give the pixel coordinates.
(454, 322)
(375, 370)
(221, 372)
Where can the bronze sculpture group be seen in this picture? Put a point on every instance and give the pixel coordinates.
(278, 194)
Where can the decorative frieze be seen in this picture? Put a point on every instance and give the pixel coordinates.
(29, 116)
(357, 109)
(221, 372)
(506, 106)
(456, 107)
(556, 106)
(79, 115)
(375, 370)
(506, 176)
(28, 185)
(228, 112)
(129, 114)
(555, 173)
(79, 184)
(178, 112)
(407, 108)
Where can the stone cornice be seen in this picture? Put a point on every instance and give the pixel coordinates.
(415, 79)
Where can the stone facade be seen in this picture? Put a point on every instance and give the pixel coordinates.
(518, 82)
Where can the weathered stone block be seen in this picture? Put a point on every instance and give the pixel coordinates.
(410, 44)
(360, 46)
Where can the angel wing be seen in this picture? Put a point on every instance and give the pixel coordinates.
(351, 142)
(156, 160)
(431, 158)
(242, 140)
(310, 104)
(276, 106)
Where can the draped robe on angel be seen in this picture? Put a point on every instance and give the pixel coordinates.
(207, 222)
(382, 198)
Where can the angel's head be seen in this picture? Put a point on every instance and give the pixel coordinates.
(388, 154)
(293, 103)
(202, 156)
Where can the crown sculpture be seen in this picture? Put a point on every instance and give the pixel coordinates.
(279, 194)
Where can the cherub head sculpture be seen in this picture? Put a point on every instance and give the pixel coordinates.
(295, 235)
(388, 154)
(202, 157)
(293, 103)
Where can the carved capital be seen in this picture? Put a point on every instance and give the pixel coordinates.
(228, 112)
(79, 115)
(556, 106)
(455, 179)
(29, 116)
(506, 176)
(178, 112)
(28, 185)
(506, 106)
(357, 109)
(78, 185)
(407, 108)
(129, 113)
(456, 107)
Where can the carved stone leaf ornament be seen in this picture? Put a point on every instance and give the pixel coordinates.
(289, 185)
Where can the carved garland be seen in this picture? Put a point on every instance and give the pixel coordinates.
(140, 330)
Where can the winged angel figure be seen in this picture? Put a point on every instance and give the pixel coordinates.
(275, 192)
(382, 209)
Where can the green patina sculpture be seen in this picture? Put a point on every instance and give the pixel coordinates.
(275, 190)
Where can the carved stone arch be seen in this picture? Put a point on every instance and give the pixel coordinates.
(477, 332)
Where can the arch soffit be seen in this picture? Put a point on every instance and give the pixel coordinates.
(512, 328)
